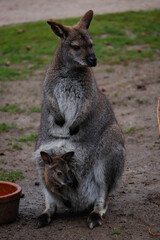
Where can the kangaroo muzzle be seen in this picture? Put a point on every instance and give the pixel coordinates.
(92, 61)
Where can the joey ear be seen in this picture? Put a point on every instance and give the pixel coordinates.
(86, 19)
(67, 156)
(60, 30)
(46, 158)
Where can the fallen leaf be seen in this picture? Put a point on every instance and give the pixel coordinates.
(110, 48)
(7, 63)
(106, 43)
(143, 34)
(21, 30)
(141, 86)
(28, 48)
(103, 89)
(125, 63)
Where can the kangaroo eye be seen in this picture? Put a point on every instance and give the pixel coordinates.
(59, 174)
(91, 45)
(75, 47)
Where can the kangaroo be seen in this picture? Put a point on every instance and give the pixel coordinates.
(59, 177)
(77, 117)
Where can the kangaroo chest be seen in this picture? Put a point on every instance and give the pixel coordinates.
(68, 94)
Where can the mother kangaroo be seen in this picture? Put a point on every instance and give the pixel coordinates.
(77, 117)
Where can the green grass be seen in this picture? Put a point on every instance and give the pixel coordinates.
(122, 227)
(131, 215)
(116, 95)
(27, 139)
(17, 146)
(31, 137)
(10, 176)
(130, 130)
(110, 69)
(21, 129)
(113, 34)
(141, 101)
(13, 108)
(114, 232)
(5, 127)
(35, 109)
(15, 142)
(3, 161)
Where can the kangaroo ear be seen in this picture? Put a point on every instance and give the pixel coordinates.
(60, 30)
(46, 158)
(86, 19)
(67, 156)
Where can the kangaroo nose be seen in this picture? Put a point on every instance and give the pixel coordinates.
(92, 61)
(69, 182)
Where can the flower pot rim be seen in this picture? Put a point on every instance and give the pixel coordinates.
(13, 194)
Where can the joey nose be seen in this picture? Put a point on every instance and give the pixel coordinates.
(69, 182)
(92, 61)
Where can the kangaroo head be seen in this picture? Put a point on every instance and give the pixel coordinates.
(76, 43)
(58, 169)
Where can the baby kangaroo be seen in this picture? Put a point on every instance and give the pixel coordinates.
(58, 173)
(59, 178)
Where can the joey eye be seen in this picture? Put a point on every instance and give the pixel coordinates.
(76, 47)
(59, 174)
(91, 45)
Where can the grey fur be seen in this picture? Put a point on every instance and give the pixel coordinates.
(76, 116)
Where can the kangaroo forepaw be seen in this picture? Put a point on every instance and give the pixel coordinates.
(94, 220)
(60, 122)
(73, 130)
(43, 220)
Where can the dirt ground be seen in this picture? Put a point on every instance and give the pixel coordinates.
(133, 90)
(18, 11)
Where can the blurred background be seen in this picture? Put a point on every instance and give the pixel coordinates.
(18, 11)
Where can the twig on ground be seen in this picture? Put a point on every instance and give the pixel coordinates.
(153, 234)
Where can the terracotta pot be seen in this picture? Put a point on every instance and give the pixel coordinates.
(9, 201)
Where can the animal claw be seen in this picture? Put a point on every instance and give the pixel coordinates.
(94, 220)
(42, 221)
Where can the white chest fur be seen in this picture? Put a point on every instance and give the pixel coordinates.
(68, 94)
